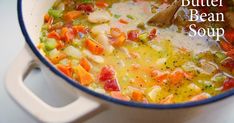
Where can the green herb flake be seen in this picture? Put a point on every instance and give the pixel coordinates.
(117, 16)
(130, 17)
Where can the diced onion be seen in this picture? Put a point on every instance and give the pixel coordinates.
(73, 52)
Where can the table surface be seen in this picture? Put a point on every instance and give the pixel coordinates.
(11, 43)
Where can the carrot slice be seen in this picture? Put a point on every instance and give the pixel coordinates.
(119, 95)
(95, 47)
(48, 19)
(65, 69)
(118, 37)
(137, 96)
(54, 35)
(101, 4)
(177, 77)
(60, 45)
(66, 34)
(115, 32)
(123, 21)
(79, 28)
(71, 15)
(58, 58)
(85, 64)
(84, 77)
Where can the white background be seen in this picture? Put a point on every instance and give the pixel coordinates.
(11, 41)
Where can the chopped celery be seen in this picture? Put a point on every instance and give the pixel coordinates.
(85, 1)
(219, 78)
(117, 16)
(64, 62)
(130, 17)
(45, 27)
(220, 56)
(55, 13)
(42, 39)
(53, 53)
(144, 37)
(50, 44)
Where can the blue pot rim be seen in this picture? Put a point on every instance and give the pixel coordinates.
(104, 97)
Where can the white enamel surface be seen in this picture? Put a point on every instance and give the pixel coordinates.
(33, 13)
(38, 108)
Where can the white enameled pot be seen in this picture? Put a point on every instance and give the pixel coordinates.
(88, 103)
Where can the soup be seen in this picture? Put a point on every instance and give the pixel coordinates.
(107, 47)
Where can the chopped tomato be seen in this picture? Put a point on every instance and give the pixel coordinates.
(152, 34)
(226, 46)
(231, 53)
(229, 35)
(119, 95)
(123, 21)
(84, 77)
(86, 7)
(133, 35)
(228, 84)
(54, 35)
(111, 85)
(101, 4)
(72, 15)
(65, 69)
(95, 47)
(107, 73)
(85, 64)
(229, 64)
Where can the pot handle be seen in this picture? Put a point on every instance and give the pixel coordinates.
(34, 105)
